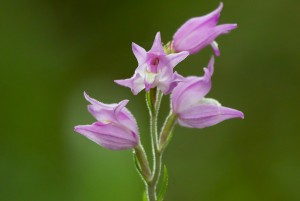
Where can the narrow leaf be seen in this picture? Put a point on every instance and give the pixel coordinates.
(164, 185)
(137, 165)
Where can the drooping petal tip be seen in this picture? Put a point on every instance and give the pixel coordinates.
(89, 99)
(240, 115)
(215, 47)
(210, 66)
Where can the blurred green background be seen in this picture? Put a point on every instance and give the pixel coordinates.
(52, 51)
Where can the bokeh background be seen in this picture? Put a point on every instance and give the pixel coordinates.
(51, 51)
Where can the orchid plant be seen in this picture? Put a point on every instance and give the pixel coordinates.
(117, 129)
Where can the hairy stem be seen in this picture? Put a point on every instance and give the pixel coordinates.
(154, 105)
(155, 174)
(164, 138)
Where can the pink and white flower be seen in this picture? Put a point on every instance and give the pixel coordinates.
(199, 32)
(193, 109)
(115, 129)
(155, 68)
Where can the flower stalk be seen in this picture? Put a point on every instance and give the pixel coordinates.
(159, 146)
(153, 99)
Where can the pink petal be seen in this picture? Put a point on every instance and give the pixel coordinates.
(126, 119)
(209, 36)
(167, 86)
(135, 83)
(193, 89)
(97, 103)
(120, 107)
(207, 114)
(112, 113)
(176, 58)
(193, 24)
(102, 112)
(157, 45)
(140, 53)
(109, 136)
(197, 33)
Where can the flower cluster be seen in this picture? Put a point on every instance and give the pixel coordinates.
(117, 129)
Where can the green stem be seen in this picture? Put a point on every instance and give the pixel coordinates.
(156, 173)
(154, 105)
(151, 193)
(165, 136)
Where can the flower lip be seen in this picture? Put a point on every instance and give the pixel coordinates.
(153, 65)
